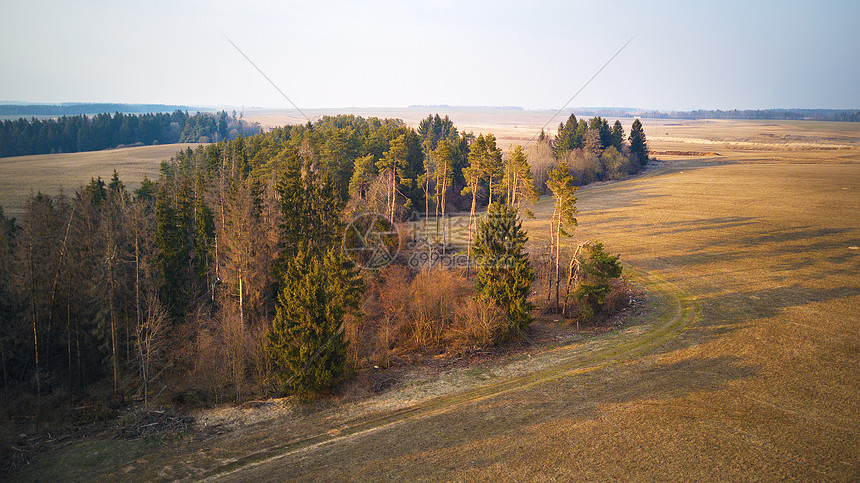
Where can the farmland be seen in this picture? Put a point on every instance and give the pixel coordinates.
(741, 364)
(51, 173)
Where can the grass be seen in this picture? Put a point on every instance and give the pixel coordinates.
(51, 173)
(742, 365)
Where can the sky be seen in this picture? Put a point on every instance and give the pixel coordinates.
(533, 54)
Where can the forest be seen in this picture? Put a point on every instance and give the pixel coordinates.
(76, 108)
(69, 134)
(839, 115)
(226, 278)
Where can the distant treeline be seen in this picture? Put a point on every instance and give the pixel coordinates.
(69, 134)
(842, 115)
(75, 108)
(465, 108)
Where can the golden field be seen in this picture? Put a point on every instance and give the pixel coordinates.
(52, 173)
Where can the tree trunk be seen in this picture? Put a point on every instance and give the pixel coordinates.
(557, 259)
(241, 298)
(112, 306)
(137, 274)
(427, 199)
(393, 195)
(436, 218)
(471, 218)
(69, 335)
(30, 266)
(444, 231)
(551, 252)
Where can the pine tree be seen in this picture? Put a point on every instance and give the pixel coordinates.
(560, 182)
(443, 174)
(493, 167)
(363, 175)
(306, 339)
(519, 181)
(392, 163)
(505, 273)
(474, 174)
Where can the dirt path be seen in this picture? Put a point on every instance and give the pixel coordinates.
(679, 312)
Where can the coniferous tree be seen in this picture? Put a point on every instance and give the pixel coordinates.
(172, 252)
(392, 164)
(504, 271)
(638, 143)
(595, 272)
(566, 138)
(363, 175)
(306, 339)
(474, 174)
(8, 305)
(443, 174)
(492, 164)
(594, 141)
(617, 136)
(563, 219)
(519, 181)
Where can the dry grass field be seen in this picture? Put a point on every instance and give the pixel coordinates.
(741, 364)
(51, 173)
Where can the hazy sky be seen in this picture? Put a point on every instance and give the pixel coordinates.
(686, 55)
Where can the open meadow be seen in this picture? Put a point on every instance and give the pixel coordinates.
(51, 173)
(740, 364)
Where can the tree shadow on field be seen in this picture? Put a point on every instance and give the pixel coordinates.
(618, 196)
(702, 257)
(706, 224)
(801, 234)
(745, 307)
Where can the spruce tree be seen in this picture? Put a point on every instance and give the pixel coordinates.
(617, 135)
(505, 273)
(638, 144)
(306, 340)
(597, 269)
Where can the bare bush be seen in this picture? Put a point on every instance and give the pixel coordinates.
(542, 160)
(434, 299)
(150, 344)
(619, 297)
(584, 167)
(479, 323)
(409, 313)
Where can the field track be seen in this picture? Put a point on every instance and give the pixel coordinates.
(679, 311)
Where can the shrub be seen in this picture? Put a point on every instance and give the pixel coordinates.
(479, 323)
(594, 286)
(412, 313)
